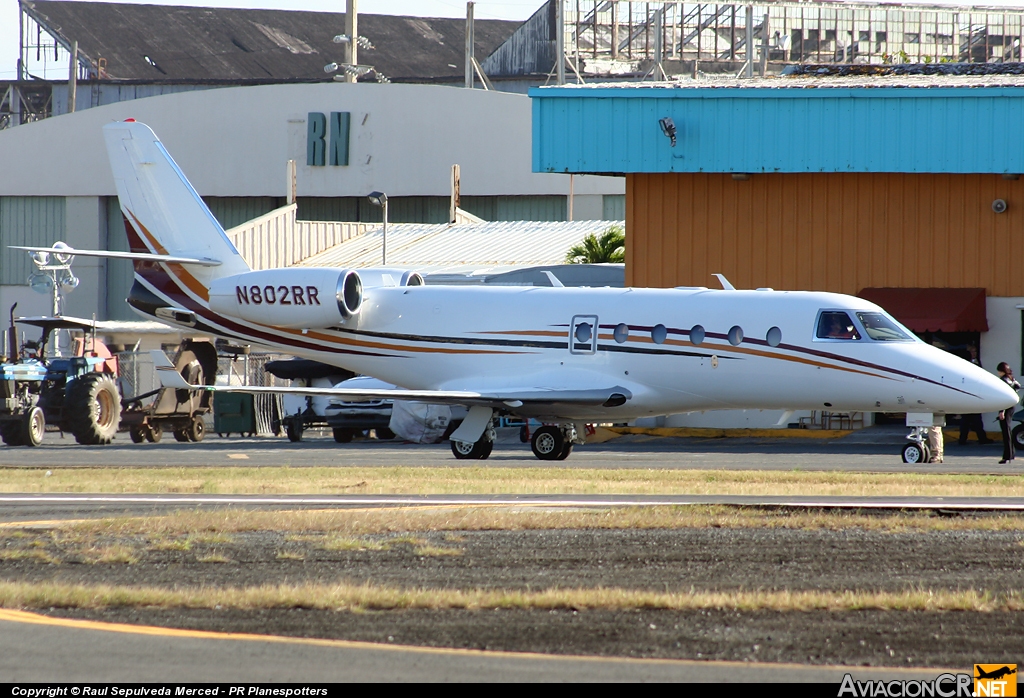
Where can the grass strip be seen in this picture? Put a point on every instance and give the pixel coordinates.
(348, 597)
(481, 480)
(340, 525)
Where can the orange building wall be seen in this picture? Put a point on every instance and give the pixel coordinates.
(825, 232)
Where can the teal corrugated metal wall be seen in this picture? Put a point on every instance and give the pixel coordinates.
(434, 209)
(120, 274)
(27, 220)
(235, 210)
(517, 208)
(782, 129)
(614, 208)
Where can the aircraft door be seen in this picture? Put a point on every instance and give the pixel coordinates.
(583, 334)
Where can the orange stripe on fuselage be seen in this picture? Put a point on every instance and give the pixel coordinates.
(180, 272)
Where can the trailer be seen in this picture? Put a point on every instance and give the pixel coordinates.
(181, 412)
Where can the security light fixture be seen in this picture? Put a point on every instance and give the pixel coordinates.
(741, 176)
(668, 127)
(379, 198)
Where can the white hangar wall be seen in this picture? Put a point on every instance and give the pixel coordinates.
(233, 143)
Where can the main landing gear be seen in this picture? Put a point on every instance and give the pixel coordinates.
(549, 442)
(553, 442)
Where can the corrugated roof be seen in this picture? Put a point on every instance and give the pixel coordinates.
(824, 81)
(201, 43)
(481, 247)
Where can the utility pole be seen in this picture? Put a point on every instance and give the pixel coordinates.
(73, 77)
(559, 41)
(352, 29)
(764, 45)
(456, 197)
(748, 69)
(470, 44)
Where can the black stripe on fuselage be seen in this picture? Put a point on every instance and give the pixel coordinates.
(473, 341)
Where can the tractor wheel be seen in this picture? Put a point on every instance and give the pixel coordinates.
(10, 431)
(33, 427)
(95, 408)
(181, 435)
(137, 433)
(154, 433)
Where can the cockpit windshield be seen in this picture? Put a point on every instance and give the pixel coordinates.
(880, 327)
(835, 324)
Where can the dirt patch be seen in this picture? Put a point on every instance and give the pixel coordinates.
(658, 560)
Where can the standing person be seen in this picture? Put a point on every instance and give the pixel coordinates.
(1006, 416)
(935, 443)
(973, 422)
(935, 438)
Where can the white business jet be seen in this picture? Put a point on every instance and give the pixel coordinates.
(565, 356)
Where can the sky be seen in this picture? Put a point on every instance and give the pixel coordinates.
(506, 9)
(485, 9)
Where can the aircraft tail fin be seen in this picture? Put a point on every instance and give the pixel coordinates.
(163, 213)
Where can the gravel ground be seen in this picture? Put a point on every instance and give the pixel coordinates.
(664, 560)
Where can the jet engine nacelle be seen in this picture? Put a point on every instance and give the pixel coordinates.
(298, 297)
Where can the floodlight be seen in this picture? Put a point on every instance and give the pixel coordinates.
(40, 283)
(62, 258)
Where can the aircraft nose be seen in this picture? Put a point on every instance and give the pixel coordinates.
(996, 395)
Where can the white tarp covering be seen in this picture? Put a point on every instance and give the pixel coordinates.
(420, 422)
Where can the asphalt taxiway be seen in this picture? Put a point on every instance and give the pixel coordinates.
(35, 648)
(872, 450)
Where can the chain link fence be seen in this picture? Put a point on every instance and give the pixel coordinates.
(137, 377)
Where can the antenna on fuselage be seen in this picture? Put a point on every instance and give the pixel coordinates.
(726, 286)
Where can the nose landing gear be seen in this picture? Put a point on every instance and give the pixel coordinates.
(916, 450)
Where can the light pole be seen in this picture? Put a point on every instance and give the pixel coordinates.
(379, 198)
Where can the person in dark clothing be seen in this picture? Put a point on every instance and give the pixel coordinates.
(973, 422)
(1006, 416)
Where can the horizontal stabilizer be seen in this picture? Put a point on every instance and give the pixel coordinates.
(169, 258)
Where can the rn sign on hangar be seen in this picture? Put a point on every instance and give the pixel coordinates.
(319, 150)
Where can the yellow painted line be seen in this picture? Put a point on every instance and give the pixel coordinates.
(747, 433)
(26, 617)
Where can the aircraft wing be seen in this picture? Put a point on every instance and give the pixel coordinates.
(607, 397)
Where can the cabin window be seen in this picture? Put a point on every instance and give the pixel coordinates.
(621, 333)
(735, 335)
(774, 337)
(882, 328)
(697, 335)
(659, 333)
(583, 332)
(836, 324)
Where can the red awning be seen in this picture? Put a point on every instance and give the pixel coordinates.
(933, 309)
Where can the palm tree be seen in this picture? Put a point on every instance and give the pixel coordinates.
(610, 247)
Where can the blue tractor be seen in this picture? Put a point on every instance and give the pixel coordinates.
(78, 393)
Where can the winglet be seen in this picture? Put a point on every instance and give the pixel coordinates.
(168, 375)
(725, 282)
